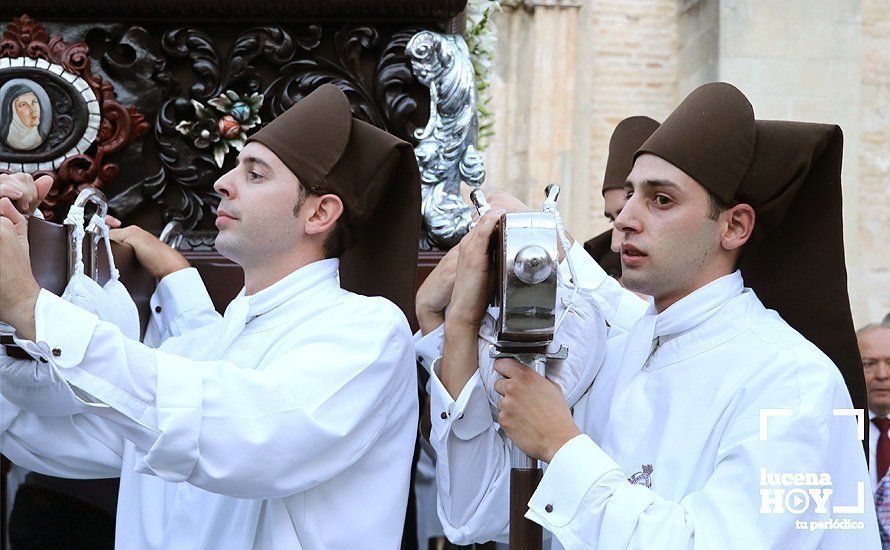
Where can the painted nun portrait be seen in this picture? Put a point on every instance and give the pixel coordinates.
(25, 114)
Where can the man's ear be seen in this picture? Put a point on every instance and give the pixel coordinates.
(739, 226)
(328, 209)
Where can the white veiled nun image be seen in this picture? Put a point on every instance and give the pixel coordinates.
(25, 114)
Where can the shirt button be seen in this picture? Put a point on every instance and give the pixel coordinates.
(420, 359)
(444, 415)
(548, 508)
(57, 352)
(157, 309)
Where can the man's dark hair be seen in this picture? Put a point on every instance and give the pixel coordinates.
(717, 205)
(341, 236)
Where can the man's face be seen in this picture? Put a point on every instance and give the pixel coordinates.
(874, 347)
(27, 107)
(668, 243)
(256, 215)
(614, 201)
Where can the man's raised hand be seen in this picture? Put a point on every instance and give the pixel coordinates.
(24, 191)
(469, 299)
(435, 292)
(533, 410)
(156, 257)
(18, 288)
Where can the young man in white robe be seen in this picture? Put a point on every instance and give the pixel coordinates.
(290, 421)
(717, 424)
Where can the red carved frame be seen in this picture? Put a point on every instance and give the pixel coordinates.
(119, 125)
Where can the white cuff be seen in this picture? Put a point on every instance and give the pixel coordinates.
(40, 389)
(37, 385)
(572, 472)
(428, 348)
(64, 328)
(466, 417)
(179, 293)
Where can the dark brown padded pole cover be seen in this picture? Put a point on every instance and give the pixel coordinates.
(524, 533)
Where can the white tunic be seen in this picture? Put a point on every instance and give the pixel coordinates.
(288, 423)
(686, 420)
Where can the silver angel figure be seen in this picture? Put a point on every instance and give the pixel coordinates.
(446, 152)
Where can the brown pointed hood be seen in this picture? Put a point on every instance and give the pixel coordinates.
(374, 174)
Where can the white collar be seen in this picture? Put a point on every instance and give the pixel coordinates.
(292, 285)
(694, 308)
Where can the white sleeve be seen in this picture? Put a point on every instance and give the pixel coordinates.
(247, 433)
(76, 447)
(620, 307)
(41, 427)
(472, 464)
(179, 304)
(428, 347)
(34, 385)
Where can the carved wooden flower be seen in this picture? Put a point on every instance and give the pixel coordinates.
(244, 109)
(222, 127)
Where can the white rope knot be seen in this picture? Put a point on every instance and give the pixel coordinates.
(75, 219)
(103, 227)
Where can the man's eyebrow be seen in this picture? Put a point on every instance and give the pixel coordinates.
(255, 160)
(654, 184)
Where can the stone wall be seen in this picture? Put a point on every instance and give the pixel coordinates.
(870, 273)
(698, 56)
(633, 71)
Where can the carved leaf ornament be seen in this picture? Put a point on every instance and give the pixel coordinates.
(197, 135)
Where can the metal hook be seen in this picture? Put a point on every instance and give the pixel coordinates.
(552, 192)
(93, 195)
(477, 197)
